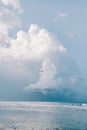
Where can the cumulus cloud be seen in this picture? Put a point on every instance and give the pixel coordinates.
(40, 56)
(35, 45)
(14, 3)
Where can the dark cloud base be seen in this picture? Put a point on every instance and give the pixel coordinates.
(71, 97)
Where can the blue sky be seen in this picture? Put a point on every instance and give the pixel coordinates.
(43, 50)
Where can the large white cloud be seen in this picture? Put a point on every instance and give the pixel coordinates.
(40, 56)
(36, 45)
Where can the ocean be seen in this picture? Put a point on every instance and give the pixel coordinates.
(42, 116)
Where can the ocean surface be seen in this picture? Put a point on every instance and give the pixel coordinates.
(42, 116)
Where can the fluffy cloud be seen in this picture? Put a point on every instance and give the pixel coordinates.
(14, 3)
(36, 45)
(40, 56)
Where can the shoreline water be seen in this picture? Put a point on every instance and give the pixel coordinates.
(42, 116)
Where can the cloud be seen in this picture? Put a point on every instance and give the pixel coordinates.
(37, 46)
(8, 20)
(36, 55)
(60, 15)
(14, 3)
(74, 79)
(47, 78)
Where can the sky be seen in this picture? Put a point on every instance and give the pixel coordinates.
(43, 50)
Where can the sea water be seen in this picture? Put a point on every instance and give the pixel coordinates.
(42, 116)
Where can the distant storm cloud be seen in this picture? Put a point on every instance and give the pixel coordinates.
(40, 56)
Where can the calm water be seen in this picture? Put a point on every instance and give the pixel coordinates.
(42, 116)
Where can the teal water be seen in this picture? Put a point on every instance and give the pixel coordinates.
(42, 116)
